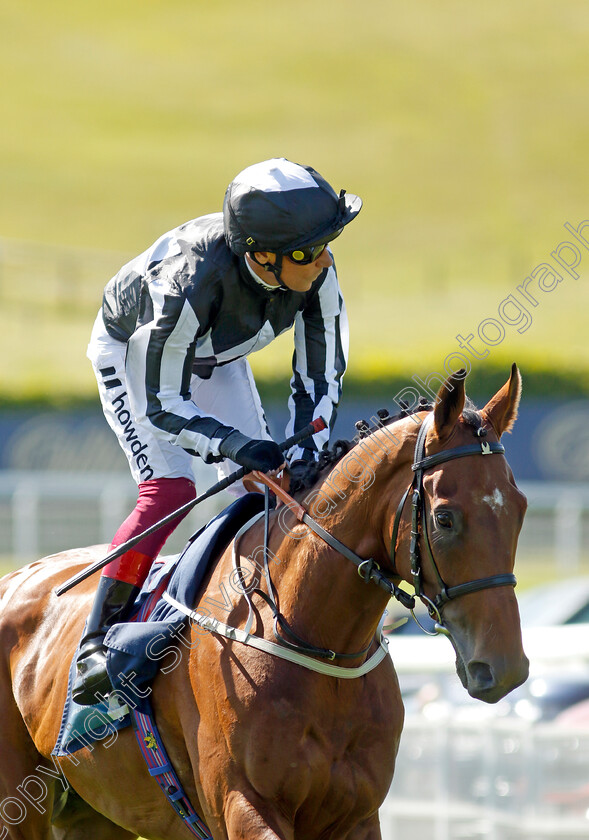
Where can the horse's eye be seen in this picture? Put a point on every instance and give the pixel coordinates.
(444, 519)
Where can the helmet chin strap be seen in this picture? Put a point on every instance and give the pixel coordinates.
(275, 268)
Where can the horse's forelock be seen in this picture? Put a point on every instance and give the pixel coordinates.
(471, 415)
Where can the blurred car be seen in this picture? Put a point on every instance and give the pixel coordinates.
(575, 715)
(551, 604)
(548, 695)
(557, 603)
(543, 697)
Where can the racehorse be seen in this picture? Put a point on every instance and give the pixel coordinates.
(266, 748)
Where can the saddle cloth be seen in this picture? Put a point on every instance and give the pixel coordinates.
(138, 648)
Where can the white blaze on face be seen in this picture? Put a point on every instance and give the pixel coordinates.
(496, 502)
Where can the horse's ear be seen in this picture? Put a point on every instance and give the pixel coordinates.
(449, 404)
(501, 410)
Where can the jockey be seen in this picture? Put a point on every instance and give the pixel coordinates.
(169, 349)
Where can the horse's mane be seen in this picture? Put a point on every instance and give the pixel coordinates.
(304, 476)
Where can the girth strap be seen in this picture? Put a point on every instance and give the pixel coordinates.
(160, 767)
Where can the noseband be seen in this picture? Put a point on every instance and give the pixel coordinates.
(419, 519)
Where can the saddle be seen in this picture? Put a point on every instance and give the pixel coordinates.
(137, 649)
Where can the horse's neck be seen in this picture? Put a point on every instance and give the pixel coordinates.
(319, 589)
(353, 501)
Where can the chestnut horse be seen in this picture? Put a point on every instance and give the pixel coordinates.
(264, 747)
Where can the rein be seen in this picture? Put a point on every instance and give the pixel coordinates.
(368, 569)
(297, 644)
(292, 653)
(304, 653)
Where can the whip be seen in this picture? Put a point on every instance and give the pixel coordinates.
(312, 429)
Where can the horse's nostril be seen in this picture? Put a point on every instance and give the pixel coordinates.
(480, 674)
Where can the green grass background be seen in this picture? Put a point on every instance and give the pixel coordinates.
(464, 127)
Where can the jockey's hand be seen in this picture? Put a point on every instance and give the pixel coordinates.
(263, 455)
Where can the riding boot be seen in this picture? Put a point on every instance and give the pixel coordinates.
(112, 604)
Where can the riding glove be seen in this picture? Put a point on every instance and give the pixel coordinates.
(263, 455)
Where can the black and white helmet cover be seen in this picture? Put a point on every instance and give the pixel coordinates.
(278, 206)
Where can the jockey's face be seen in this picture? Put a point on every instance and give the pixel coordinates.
(299, 278)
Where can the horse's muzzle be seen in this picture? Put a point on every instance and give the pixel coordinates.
(491, 684)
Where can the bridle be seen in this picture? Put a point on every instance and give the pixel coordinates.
(419, 519)
(310, 656)
(369, 570)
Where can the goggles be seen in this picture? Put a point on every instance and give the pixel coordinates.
(310, 253)
(304, 256)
